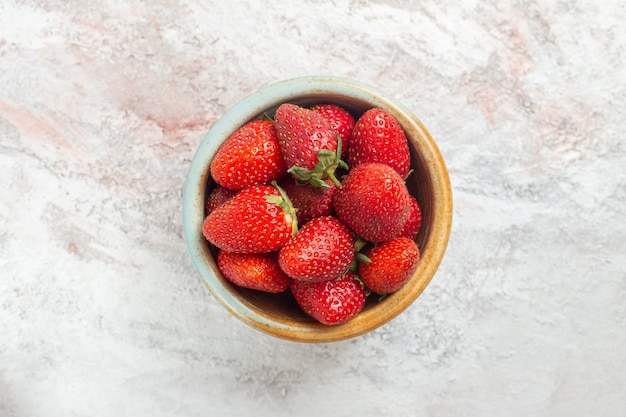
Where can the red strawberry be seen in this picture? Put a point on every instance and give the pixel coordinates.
(218, 196)
(391, 265)
(257, 219)
(249, 156)
(414, 221)
(308, 200)
(330, 302)
(322, 249)
(373, 201)
(340, 120)
(378, 137)
(257, 271)
(308, 142)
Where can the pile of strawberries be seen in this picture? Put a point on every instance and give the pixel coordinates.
(314, 201)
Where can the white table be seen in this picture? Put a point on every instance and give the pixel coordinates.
(102, 105)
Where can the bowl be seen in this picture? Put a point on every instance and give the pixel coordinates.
(278, 314)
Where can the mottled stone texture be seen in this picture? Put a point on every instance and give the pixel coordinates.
(103, 103)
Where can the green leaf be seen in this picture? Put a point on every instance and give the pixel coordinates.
(285, 203)
(316, 182)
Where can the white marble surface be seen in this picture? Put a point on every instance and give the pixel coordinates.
(103, 103)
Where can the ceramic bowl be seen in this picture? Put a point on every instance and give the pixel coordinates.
(279, 315)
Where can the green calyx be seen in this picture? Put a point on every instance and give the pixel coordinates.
(363, 258)
(327, 163)
(359, 257)
(284, 203)
(359, 244)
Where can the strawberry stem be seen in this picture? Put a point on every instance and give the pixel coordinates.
(363, 258)
(359, 244)
(354, 265)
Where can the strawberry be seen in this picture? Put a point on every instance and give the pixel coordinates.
(218, 196)
(390, 265)
(414, 221)
(373, 201)
(322, 249)
(308, 200)
(249, 156)
(256, 220)
(310, 146)
(378, 137)
(257, 271)
(330, 302)
(340, 120)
